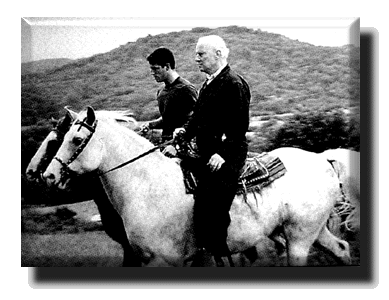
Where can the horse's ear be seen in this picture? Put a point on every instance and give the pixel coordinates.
(91, 117)
(71, 114)
(53, 122)
(68, 119)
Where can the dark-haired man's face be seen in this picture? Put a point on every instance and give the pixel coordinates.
(159, 73)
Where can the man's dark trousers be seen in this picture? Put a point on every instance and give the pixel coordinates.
(213, 198)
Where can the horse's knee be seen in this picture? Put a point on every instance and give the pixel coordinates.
(297, 254)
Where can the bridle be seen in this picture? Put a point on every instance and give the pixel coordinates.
(92, 128)
(65, 165)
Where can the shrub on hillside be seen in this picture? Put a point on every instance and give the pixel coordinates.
(317, 132)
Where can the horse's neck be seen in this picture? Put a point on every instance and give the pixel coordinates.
(151, 185)
(121, 145)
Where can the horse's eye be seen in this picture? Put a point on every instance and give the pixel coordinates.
(77, 141)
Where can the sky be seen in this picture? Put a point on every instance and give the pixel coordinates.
(47, 38)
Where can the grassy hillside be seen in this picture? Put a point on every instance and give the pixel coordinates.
(43, 65)
(299, 77)
(302, 95)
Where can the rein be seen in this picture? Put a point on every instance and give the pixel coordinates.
(137, 157)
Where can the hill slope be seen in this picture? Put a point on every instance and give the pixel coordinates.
(300, 77)
(43, 65)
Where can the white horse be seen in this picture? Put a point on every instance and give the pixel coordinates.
(112, 222)
(149, 195)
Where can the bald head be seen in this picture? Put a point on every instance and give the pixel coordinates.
(215, 43)
(211, 53)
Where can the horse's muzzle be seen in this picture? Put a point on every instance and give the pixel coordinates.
(34, 176)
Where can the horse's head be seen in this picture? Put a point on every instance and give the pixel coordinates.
(49, 147)
(79, 153)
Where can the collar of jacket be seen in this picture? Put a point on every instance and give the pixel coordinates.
(222, 72)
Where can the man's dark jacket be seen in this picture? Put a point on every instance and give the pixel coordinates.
(221, 118)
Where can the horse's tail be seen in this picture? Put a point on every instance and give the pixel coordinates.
(346, 212)
(353, 196)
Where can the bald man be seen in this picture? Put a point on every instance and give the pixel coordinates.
(219, 124)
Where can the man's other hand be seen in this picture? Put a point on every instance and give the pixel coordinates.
(215, 162)
(169, 151)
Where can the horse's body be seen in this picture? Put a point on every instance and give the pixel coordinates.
(111, 220)
(346, 164)
(150, 197)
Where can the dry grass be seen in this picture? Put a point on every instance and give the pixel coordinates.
(85, 249)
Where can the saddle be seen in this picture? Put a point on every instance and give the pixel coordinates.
(259, 171)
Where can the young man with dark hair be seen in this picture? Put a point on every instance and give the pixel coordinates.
(175, 100)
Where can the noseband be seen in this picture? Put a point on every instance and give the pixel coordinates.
(65, 165)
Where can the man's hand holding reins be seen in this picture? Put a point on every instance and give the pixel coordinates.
(178, 132)
(169, 151)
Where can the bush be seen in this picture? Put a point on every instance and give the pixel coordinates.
(317, 132)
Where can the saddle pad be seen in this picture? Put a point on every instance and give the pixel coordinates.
(259, 171)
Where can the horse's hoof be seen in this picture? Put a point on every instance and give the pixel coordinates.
(346, 260)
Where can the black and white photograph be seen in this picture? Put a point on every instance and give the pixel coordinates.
(203, 144)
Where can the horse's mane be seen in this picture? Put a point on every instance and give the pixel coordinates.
(116, 117)
(119, 116)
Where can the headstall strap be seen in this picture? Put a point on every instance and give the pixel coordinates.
(82, 123)
(81, 147)
(60, 161)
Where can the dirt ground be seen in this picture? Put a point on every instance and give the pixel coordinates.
(65, 236)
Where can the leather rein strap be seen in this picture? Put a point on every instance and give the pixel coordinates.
(137, 157)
